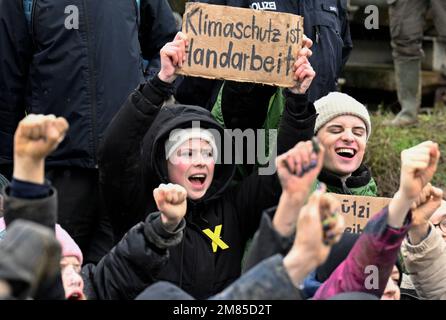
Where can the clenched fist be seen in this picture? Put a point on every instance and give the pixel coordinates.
(38, 135)
(35, 138)
(171, 201)
(418, 166)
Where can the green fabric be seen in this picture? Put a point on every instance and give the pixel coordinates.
(272, 121)
(273, 117)
(370, 189)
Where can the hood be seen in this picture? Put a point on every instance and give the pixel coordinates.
(179, 116)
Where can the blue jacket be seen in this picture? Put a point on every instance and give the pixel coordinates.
(82, 74)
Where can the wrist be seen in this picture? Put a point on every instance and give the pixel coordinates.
(403, 196)
(169, 224)
(29, 169)
(399, 206)
(284, 220)
(418, 233)
(298, 265)
(165, 78)
(292, 200)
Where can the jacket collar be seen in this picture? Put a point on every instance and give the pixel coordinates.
(360, 178)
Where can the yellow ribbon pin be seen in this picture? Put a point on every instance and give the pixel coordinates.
(215, 237)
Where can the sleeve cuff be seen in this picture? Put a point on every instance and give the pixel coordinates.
(29, 190)
(429, 242)
(160, 237)
(157, 91)
(159, 228)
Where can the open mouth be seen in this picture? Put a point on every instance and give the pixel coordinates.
(345, 152)
(197, 179)
(76, 295)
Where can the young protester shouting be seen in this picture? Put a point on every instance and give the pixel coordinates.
(310, 248)
(144, 151)
(123, 272)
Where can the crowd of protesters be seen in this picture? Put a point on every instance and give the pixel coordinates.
(110, 189)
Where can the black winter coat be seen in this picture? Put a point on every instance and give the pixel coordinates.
(129, 173)
(82, 74)
(124, 272)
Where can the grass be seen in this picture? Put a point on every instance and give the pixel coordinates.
(386, 144)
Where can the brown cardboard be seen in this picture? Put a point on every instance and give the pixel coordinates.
(222, 41)
(357, 210)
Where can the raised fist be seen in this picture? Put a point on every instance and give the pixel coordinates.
(299, 167)
(38, 135)
(418, 166)
(171, 201)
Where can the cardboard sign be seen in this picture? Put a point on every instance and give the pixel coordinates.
(241, 44)
(357, 210)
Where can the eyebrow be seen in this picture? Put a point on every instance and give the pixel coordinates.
(192, 149)
(340, 126)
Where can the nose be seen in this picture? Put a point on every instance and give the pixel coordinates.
(199, 159)
(347, 135)
(75, 282)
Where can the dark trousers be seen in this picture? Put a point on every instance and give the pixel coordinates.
(407, 20)
(81, 210)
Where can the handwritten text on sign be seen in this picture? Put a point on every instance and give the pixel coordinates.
(241, 44)
(357, 210)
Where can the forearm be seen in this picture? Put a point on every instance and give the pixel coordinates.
(399, 207)
(284, 221)
(266, 242)
(29, 169)
(298, 265)
(297, 123)
(133, 264)
(42, 210)
(418, 233)
(120, 150)
(378, 246)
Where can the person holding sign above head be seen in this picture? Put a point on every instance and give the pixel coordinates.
(325, 24)
(163, 161)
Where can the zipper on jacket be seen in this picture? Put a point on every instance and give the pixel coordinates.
(92, 80)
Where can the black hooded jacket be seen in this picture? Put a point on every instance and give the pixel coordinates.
(132, 163)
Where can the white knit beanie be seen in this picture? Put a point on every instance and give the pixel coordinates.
(178, 136)
(337, 104)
